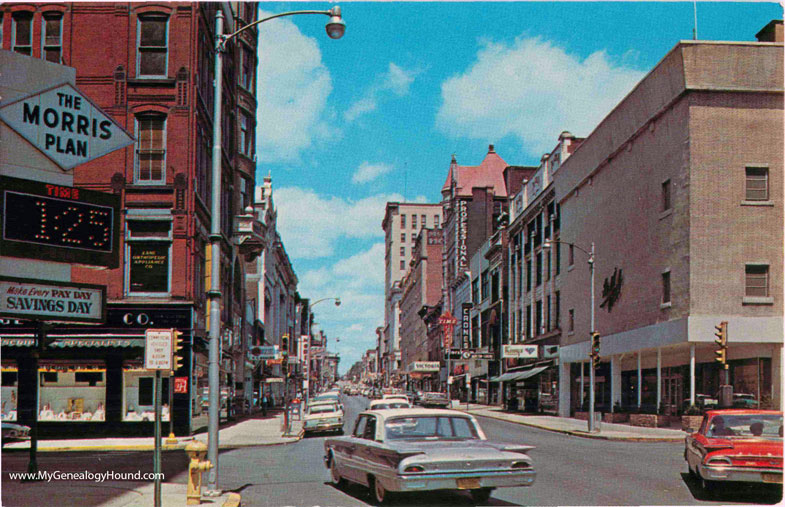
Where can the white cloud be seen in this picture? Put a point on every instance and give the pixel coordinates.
(533, 90)
(368, 172)
(292, 89)
(311, 224)
(396, 80)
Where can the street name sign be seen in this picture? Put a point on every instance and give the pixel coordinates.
(27, 298)
(65, 125)
(158, 349)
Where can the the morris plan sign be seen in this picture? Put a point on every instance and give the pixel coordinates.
(24, 298)
(65, 125)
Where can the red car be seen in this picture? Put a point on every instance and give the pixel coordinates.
(741, 445)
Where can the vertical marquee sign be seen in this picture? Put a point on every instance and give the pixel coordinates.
(466, 325)
(461, 233)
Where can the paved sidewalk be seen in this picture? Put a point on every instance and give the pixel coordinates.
(251, 430)
(578, 427)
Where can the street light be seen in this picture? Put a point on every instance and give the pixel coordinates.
(310, 324)
(547, 244)
(335, 30)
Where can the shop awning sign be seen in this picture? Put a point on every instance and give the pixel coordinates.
(65, 126)
(27, 298)
(425, 366)
(520, 351)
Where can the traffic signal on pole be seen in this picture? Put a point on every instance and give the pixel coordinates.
(177, 346)
(722, 343)
(285, 355)
(595, 349)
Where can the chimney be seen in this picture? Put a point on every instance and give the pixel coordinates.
(772, 32)
(490, 149)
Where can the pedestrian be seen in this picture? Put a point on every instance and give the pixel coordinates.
(264, 405)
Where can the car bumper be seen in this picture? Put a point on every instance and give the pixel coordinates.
(740, 474)
(323, 427)
(462, 480)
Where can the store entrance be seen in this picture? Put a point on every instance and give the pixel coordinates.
(672, 390)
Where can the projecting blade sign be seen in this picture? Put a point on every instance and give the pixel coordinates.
(65, 125)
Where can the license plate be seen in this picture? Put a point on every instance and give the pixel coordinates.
(468, 483)
(777, 478)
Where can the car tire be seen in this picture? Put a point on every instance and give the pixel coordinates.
(335, 475)
(379, 495)
(481, 496)
(708, 487)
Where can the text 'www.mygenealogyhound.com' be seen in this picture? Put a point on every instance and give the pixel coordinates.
(45, 475)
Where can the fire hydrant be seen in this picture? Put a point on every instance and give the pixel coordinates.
(196, 451)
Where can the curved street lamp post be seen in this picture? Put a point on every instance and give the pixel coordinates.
(310, 324)
(335, 29)
(547, 244)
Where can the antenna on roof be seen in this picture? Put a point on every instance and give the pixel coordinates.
(695, 18)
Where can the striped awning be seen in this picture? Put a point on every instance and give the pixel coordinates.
(519, 375)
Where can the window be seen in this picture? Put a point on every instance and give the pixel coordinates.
(757, 184)
(538, 318)
(757, 280)
(414, 221)
(52, 37)
(666, 287)
(557, 246)
(403, 221)
(403, 264)
(557, 310)
(436, 221)
(528, 321)
(403, 251)
(403, 238)
(148, 245)
(1, 29)
(571, 258)
(422, 221)
(476, 290)
(71, 393)
(152, 47)
(539, 268)
(666, 195)
(247, 75)
(529, 274)
(359, 428)
(548, 323)
(484, 285)
(495, 287)
(571, 325)
(139, 396)
(246, 134)
(22, 34)
(150, 150)
(548, 267)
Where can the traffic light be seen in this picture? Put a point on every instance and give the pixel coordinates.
(177, 346)
(285, 355)
(722, 343)
(595, 349)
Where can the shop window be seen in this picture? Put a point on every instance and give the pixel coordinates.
(72, 393)
(139, 397)
(150, 159)
(152, 47)
(148, 253)
(10, 393)
(22, 33)
(757, 183)
(52, 37)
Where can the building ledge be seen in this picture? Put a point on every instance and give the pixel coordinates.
(750, 300)
(757, 203)
(665, 306)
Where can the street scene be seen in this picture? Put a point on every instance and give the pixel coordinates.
(301, 254)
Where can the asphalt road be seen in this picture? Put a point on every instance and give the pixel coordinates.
(570, 471)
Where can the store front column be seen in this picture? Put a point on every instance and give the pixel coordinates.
(564, 389)
(776, 374)
(692, 374)
(615, 381)
(659, 378)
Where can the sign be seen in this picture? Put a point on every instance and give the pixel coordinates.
(468, 380)
(32, 299)
(158, 349)
(65, 126)
(466, 325)
(424, 366)
(550, 351)
(305, 343)
(454, 354)
(481, 355)
(149, 267)
(273, 380)
(461, 233)
(520, 351)
(611, 289)
(181, 385)
(265, 352)
(447, 322)
(58, 223)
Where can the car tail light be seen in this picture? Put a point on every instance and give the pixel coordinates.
(413, 469)
(521, 464)
(719, 460)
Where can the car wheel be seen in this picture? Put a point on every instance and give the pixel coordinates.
(481, 496)
(707, 486)
(338, 481)
(379, 495)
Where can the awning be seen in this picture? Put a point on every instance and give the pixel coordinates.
(519, 375)
(68, 342)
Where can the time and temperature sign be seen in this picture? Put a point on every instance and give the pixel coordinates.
(53, 222)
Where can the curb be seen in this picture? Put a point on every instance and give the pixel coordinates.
(585, 434)
(146, 447)
(233, 500)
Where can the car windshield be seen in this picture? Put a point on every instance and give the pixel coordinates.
(394, 404)
(320, 409)
(767, 426)
(430, 428)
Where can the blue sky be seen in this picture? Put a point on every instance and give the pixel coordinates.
(346, 125)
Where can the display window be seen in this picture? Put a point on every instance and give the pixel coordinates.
(139, 396)
(10, 383)
(72, 392)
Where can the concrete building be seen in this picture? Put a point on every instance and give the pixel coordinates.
(679, 189)
(402, 224)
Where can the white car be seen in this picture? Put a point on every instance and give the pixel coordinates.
(322, 417)
(402, 397)
(388, 403)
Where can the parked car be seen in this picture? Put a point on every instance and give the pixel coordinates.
(388, 403)
(401, 397)
(736, 445)
(329, 396)
(323, 417)
(419, 450)
(434, 400)
(13, 432)
(741, 400)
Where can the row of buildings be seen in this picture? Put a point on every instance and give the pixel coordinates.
(149, 68)
(673, 203)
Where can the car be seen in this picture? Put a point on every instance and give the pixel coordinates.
(417, 449)
(329, 396)
(434, 399)
(736, 445)
(323, 417)
(13, 432)
(401, 397)
(741, 400)
(388, 403)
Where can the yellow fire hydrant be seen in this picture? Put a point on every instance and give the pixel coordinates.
(196, 451)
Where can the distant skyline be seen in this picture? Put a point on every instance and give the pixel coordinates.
(344, 126)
